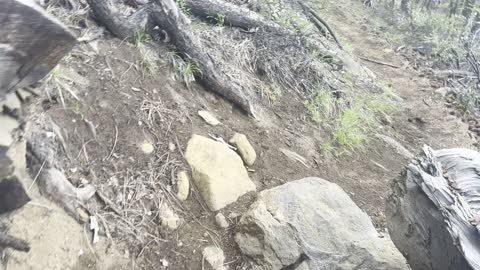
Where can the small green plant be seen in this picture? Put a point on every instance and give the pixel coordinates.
(273, 92)
(393, 38)
(326, 148)
(148, 60)
(320, 105)
(183, 7)
(141, 37)
(291, 19)
(351, 129)
(219, 19)
(56, 72)
(57, 80)
(185, 67)
(347, 45)
(351, 122)
(190, 71)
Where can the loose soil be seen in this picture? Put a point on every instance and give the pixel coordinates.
(127, 108)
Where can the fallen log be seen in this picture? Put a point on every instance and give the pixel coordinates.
(432, 210)
(232, 15)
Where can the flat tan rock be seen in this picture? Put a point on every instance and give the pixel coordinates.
(217, 171)
(209, 118)
(244, 148)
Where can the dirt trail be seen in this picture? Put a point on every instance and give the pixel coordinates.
(422, 118)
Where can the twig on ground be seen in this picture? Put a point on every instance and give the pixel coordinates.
(114, 143)
(108, 202)
(36, 176)
(379, 62)
(320, 20)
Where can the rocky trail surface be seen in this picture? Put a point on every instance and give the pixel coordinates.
(157, 154)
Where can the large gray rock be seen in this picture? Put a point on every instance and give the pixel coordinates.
(217, 171)
(313, 224)
(432, 210)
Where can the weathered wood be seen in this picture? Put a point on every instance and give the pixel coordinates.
(433, 210)
(121, 26)
(232, 15)
(31, 44)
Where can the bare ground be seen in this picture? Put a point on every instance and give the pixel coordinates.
(127, 108)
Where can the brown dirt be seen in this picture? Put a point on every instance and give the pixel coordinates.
(128, 108)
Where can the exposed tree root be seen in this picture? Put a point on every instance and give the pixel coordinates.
(173, 21)
(167, 15)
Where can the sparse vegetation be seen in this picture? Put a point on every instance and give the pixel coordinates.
(141, 37)
(186, 69)
(351, 122)
(219, 19)
(57, 80)
(148, 58)
(321, 105)
(183, 7)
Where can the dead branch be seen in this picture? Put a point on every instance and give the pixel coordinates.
(320, 20)
(7, 241)
(454, 74)
(379, 62)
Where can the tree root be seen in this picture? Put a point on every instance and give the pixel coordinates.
(167, 15)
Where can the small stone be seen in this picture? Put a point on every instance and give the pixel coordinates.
(444, 91)
(171, 147)
(234, 215)
(168, 218)
(183, 185)
(244, 148)
(147, 148)
(209, 118)
(214, 256)
(221, 221)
